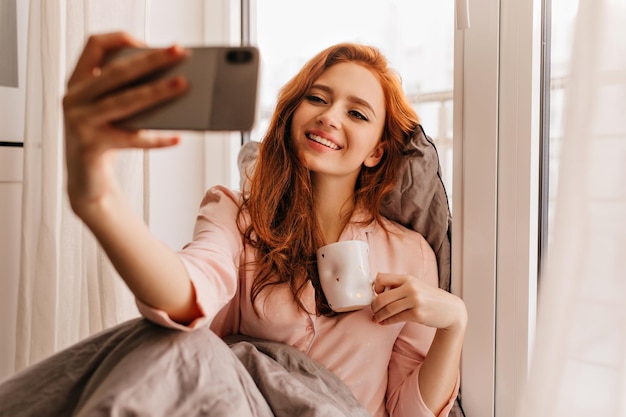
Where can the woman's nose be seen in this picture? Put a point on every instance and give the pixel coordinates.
(330, 117)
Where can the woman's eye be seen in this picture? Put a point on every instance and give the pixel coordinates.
(358, 115)
(315, 99)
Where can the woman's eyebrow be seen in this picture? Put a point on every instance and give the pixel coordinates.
(353, 99)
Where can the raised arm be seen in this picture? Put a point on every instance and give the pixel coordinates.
(93, 101)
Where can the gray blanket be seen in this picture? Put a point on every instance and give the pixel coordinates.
(141, 369)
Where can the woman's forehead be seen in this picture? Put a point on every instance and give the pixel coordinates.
(352, 79)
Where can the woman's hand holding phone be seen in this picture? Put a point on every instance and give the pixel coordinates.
(95, 100)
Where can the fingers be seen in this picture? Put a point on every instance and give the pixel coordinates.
(140, 140)
(391, 299)
(88, 119)
(96, 48)
(412, 299)
(90, 130)
(128, 102)
(385, 281)
(397, 311)
(123, 71)
(94, 102)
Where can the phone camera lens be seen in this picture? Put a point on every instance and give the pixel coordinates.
(239, 56)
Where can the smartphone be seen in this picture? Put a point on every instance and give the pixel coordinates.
(222, 93)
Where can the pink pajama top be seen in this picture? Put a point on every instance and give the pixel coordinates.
(380, 363)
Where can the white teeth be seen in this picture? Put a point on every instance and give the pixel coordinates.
(323, 141)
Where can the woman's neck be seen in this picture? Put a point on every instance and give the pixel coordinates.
(333, 201)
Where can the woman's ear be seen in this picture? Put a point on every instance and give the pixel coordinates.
(374, 158)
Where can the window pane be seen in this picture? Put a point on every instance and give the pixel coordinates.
(417, 37)
(563, 17)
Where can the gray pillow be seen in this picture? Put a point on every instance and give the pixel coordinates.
(420, 202)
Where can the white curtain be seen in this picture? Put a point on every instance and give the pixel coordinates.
(579, 361)
(68, 289)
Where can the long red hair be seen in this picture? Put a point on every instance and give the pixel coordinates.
(283, 227)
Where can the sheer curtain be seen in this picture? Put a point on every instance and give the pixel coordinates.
(65, 278)
(579, 362)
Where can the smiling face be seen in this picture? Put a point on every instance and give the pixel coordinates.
(338, 126)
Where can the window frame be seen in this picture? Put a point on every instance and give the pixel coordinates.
(474, 225)
(518, 197)
(496, 196)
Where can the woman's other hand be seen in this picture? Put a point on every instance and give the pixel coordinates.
(410, 299)
(402, 297)
(94, 101)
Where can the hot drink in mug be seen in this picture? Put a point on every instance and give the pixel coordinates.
(344, 273)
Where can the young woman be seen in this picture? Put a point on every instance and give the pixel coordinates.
(327, 161)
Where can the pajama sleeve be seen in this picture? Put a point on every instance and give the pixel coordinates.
(404, 398)
(211, 259)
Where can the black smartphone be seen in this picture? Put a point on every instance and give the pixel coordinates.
(222, 95)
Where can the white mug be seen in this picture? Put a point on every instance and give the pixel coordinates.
(344, 273)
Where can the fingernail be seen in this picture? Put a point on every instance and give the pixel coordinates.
(176, 50)
(178, 82)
